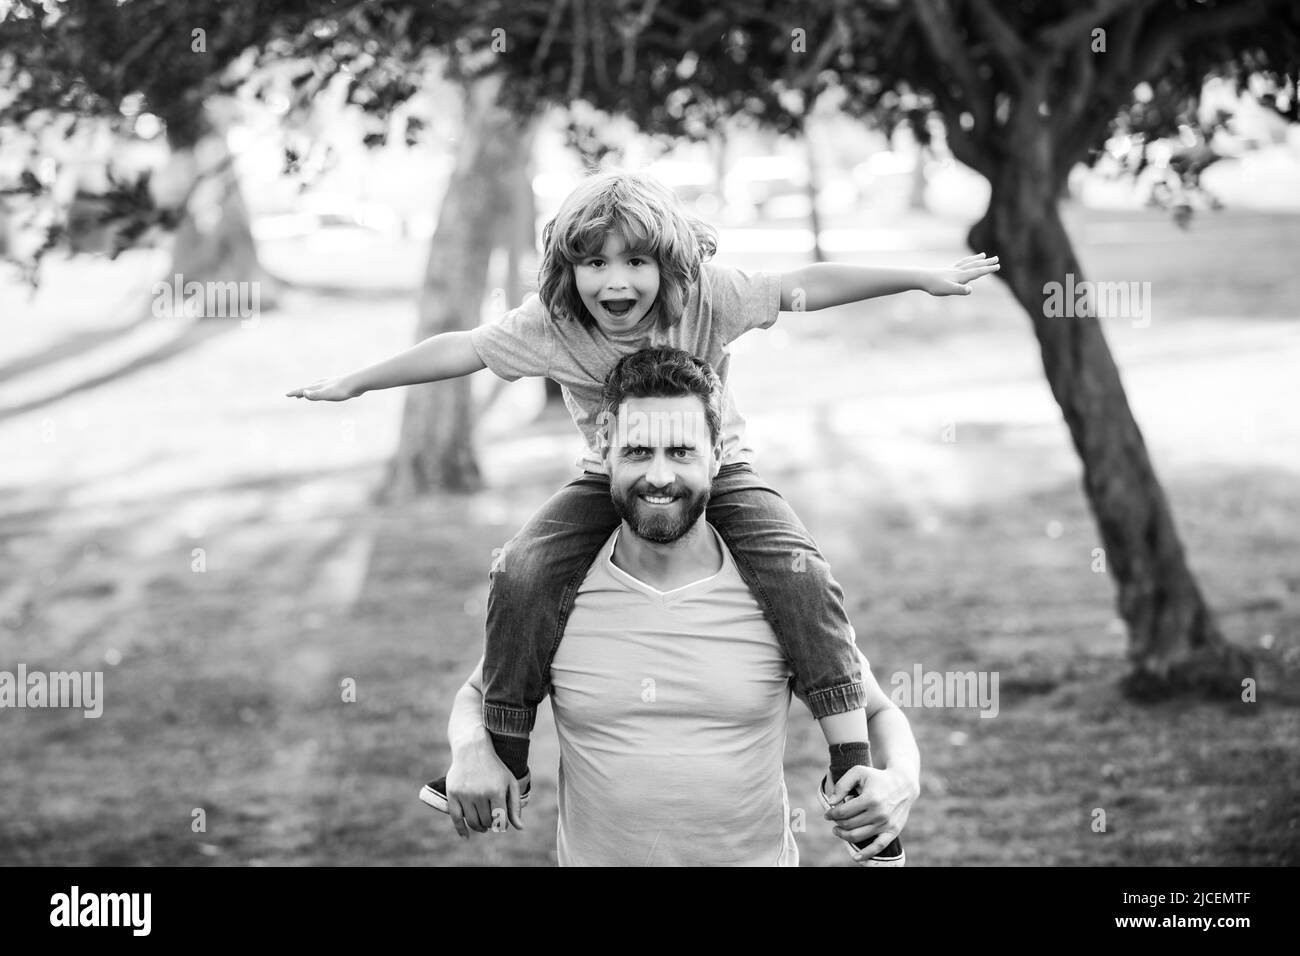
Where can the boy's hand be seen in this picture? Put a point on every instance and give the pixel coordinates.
(879, 810)
(955, 281)
(326, 390)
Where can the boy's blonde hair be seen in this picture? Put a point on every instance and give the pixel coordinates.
(650, 220)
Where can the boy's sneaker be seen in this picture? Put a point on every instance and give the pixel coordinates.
(434, 793)
(891, 855)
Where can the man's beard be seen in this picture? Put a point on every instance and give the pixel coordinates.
(660, 525)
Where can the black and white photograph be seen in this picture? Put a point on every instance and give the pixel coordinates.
(641, 433)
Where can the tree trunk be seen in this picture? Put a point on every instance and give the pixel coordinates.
(1174, 641)
(436, 450)
(814, 191)
(916, 195)
(214, 240)
(521, 223)
(521, 241)
(718, 153)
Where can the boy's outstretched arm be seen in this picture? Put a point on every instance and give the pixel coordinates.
(826, 284)
(448, 355)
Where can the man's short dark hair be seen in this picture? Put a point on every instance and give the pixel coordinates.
(664, 373)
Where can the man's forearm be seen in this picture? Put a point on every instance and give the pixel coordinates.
(892, 745)
(444, 356)
(827, 284)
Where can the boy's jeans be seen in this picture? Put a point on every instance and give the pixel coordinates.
(538, 574)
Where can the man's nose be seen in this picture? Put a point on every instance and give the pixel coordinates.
(660, 473)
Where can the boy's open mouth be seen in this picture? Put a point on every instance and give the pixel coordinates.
(619, 307)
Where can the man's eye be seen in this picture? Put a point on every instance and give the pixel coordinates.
(682, 452)
(636, 452)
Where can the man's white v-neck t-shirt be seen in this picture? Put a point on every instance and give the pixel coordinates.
(671, 710)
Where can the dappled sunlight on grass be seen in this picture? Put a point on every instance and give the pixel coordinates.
(212, 546)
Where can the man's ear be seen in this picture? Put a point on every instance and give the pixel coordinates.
(717, 458)
(603, 433)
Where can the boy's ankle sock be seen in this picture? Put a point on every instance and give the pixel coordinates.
(513, 752)
(844, 757)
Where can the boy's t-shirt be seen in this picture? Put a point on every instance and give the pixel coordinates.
(724, 304)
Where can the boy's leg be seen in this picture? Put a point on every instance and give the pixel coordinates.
(805, 606)
(793, 584)
(533, 584)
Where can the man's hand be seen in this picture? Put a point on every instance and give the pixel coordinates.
(326, 390)
(480, 791)
(955, 281)
(879, 810)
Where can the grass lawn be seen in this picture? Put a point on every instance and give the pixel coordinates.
(224, 686)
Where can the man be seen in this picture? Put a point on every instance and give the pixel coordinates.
(670, 690)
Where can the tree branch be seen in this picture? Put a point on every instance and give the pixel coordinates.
(1130, 30)
(1075, 28)
(599, 53)
(147, 44)
(699, 33)
(935, 18)
(579, 48)
(629, 28)
(548, 34)
(1095, 103)
(1113, 80)
(1076, 103)
(1219, 20)
(837, 38)
(1087, 129)
(964, 146)
(1008, 46)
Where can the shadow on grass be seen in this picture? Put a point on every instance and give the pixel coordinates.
(197, 333)
(300, 733)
